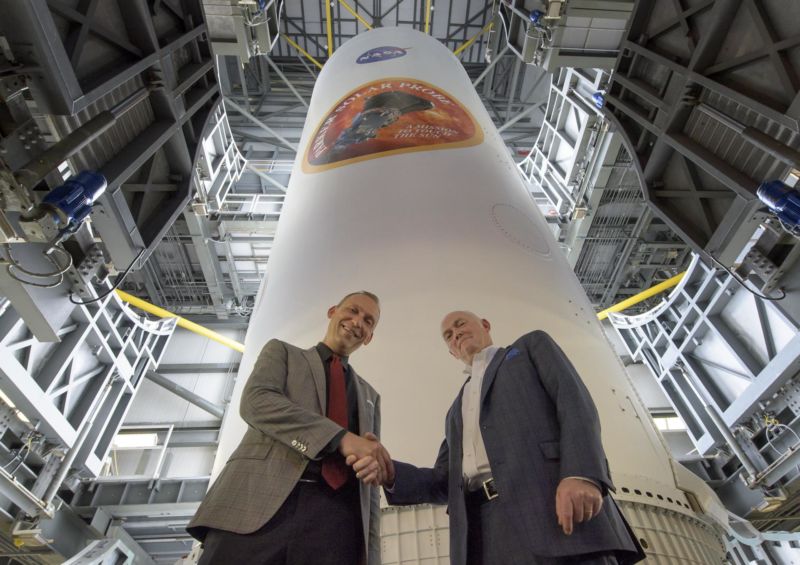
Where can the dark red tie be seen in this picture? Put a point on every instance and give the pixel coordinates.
(334, 469)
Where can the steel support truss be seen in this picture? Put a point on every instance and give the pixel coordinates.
(82, 60)
(587, 186)
(708, 95)
(728, 360)
(64, 403)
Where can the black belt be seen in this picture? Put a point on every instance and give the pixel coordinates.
(312, 472)
(486, 493)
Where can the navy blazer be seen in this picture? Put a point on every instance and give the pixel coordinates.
(539, 425)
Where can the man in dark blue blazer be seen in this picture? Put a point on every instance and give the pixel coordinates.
(522, 468)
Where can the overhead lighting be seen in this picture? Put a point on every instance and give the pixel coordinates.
(669, 423)
(6, 399)
(135, 440)
(11, 405)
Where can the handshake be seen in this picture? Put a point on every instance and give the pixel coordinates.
(368, 458)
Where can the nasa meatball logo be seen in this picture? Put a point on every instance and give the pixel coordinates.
(388, 117)
(381, 54)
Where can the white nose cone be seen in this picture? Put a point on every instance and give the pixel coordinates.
(403, 187)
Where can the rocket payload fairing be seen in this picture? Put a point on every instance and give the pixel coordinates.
(404, 187)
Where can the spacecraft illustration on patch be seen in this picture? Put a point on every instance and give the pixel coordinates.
(389, 117)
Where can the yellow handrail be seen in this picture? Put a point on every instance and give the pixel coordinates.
(329, 26)
(347, 7)
(182, 322)
(428, 16)
(303, 51)
(644, 295)
(472, 39)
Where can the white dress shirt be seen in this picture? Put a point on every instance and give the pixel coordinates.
(475, 463)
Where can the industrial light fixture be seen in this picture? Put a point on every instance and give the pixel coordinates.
(126, 440)
(669, 423)
(11, 405)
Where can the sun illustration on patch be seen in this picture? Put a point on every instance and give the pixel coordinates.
(388, 117)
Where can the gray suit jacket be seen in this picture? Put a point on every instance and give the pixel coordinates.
(282, 404)
(539, 425)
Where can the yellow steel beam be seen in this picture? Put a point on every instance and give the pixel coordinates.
(347, 7)
(472, 39)
(644, 295)
(303, 51)
(182, 322)
(428, 16)
(329, 25)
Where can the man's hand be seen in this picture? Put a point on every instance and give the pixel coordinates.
(363, 450)
(385, 462)
(576, 501)
(372, 465)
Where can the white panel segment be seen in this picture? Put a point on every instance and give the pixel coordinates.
(415, 534)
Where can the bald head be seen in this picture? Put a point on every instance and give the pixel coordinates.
(465, 334)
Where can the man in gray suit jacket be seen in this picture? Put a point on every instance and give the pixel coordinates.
(286, 495)
(522, 467)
